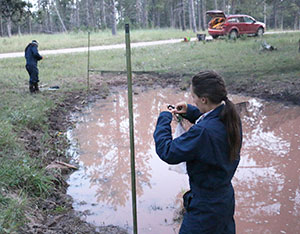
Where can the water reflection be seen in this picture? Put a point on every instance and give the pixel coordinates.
(267, 180)
(266, 183)
(103, 137)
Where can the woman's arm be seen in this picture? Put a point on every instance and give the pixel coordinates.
(182, 149)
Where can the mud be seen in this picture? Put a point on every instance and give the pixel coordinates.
(56, 214)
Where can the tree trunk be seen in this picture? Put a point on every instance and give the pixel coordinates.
(1, 26)
(8, 24)
(172, 16)
(204, 14)
(138, 12)
(216, 4)
(153, 13)
(113, 18)
(51, 26)
(199, 15)
(59, 17)
(192, 15)
(232, 7)
(179, 19)
(183, 16)
(224, 6)
(275, 14)
(19, 30)
(92, 14)
(77, 17)
(265, 12)
(87, 12)
(299, 20)
(103, 15)
(41, 23)
(296, 21)
(158, 19)
(29, 25)
(281, 20)
(145, 14)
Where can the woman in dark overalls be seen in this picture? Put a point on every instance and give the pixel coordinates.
(211, 149)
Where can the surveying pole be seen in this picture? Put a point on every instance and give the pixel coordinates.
(131, 127)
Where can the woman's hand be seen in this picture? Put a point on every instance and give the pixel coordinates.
(180, 108)
(166, 107)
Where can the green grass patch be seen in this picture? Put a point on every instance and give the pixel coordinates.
(80, 39)
(24, 173)
(12, 212)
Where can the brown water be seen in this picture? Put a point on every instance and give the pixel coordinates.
(267, 182)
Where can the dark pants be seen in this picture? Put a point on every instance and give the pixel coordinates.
(208, 214)
(33, 74)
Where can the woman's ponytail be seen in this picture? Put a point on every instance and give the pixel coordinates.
(231, 119)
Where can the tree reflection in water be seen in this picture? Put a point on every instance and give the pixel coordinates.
(107, 134)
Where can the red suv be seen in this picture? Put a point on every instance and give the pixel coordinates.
(233, 25)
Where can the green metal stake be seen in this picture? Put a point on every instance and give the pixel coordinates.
(131, 128)
(88, 64)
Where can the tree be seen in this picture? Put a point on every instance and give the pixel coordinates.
(21, 16)
(216, 4)
(62, 15)
(10, 9)
(58, 14)
(192, 15)
(103, 14)
(113, 17)
(1, 25)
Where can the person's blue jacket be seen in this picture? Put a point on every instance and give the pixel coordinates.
(205, 149)
(32, 55)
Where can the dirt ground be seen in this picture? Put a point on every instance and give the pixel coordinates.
(55, 214)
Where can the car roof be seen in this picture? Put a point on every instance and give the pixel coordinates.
(238, 16)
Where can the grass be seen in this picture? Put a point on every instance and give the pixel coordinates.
(80, 39)
(23, 176)
(12, 212)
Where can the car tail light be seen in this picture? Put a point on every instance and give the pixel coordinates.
(225, 25)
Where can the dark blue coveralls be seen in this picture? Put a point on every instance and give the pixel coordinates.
(32, 57)
(210, 202)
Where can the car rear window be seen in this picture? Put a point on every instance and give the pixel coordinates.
(233, 20)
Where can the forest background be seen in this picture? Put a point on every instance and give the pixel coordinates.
(54, 16)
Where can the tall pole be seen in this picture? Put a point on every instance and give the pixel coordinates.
(88, 64)
(131, 127)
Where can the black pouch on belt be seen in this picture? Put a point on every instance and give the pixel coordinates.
(187, 198)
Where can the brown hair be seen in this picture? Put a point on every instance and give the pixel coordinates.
(211, 85)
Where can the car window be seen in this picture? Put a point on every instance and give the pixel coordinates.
(241, 19)
(248, 20)
(233, 20)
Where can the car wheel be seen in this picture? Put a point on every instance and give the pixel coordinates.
(233, 34)
(215, 36)
(260, 32)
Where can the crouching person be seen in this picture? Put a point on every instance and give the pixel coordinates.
(211, 150)
(32, 57)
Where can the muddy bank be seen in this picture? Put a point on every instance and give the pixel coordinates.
(286, 92)
(55, 214)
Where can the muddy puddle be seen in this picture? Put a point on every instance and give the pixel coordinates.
(267, 182)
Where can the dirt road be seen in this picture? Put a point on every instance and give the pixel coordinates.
(109, 47)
